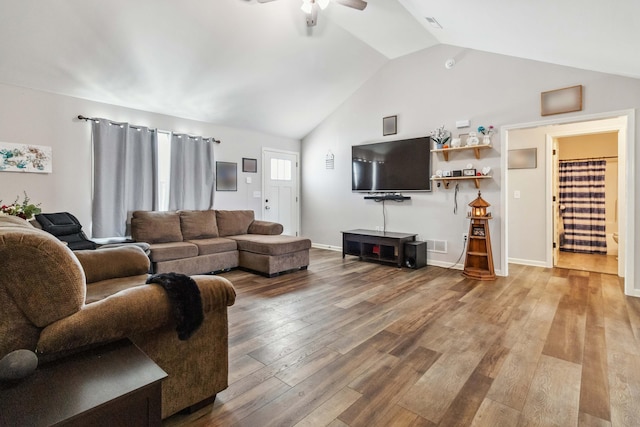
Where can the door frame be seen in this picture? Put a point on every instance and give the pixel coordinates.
(298, 214)
(626, 149)
(552, 144)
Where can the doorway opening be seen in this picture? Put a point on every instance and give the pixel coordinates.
(586, 212)
(532, 216)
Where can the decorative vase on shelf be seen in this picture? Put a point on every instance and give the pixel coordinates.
(439, 146)
(486, 140)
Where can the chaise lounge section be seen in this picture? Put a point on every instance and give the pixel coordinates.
(207, 241)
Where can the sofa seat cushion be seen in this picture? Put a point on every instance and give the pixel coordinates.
(174, 250)
(198, 224)
(214, 245)
(271, 245)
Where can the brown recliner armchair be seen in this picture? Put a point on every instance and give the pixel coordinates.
(54, 301)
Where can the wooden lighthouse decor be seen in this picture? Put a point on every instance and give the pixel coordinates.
(478, 263)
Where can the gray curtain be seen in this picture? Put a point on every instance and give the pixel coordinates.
(125, 160)
(192, 180)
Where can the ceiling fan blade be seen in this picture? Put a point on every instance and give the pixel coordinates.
(356, 4)
(264, 1)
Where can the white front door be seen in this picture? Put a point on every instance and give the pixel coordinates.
(280, 201)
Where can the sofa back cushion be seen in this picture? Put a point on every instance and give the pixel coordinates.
(42, 282)
(233, 223)
(198, 224)
(156, 227)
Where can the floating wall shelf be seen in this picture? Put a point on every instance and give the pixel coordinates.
(447, 180)
(476, 149)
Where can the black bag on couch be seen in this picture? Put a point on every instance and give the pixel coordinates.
(67, 228)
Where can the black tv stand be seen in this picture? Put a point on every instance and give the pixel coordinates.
(387, 196)
(379, 246)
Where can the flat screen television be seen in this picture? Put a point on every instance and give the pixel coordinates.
(391, 166)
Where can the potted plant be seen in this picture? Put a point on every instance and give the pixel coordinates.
(25, 209)
(441, 137)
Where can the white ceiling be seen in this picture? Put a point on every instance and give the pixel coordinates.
(257, 66)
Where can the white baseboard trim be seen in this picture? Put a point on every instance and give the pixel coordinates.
(327, 247)
(442, 264)
(528, 262)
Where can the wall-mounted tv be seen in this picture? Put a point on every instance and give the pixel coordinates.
(392, 166)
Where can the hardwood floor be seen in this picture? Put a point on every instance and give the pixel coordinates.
(607, 264)
(349, 343)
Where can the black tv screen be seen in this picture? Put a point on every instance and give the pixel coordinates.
(392, 166)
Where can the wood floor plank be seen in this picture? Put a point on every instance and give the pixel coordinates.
(566, 335)
(433, 393)
(586, 420)
(494, 414)
(326, 413)
(463, 409)
(594, 387)
(381, 396)
(624, 387)
(554, 394)
(349, 343)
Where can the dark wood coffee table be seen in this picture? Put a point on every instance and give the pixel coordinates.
(114, 385)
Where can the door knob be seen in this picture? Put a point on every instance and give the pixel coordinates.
(267, 207)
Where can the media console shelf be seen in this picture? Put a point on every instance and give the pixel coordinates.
(379, 246)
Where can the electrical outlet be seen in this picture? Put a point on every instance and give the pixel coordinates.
(465, 236)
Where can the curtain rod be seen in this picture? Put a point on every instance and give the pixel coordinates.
(95, 119)
(589, 158)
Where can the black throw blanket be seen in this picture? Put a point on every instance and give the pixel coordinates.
(185, 299)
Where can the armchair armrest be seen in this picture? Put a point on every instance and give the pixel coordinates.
(111, 263)
(265, 227)
(135, 310)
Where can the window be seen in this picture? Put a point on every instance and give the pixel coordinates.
(164, 169)
(281, 170)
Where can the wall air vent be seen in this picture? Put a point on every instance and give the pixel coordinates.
(439, 246)
(434, 23)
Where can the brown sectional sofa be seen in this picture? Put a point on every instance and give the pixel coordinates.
(55, 301)
(205, 241)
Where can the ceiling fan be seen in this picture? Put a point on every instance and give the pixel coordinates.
(310, 7)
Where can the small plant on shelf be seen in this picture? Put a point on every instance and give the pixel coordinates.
(441, 137)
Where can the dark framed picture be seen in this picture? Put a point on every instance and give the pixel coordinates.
(468, 172)
(389, 125)
(226, 176)
(249, 165)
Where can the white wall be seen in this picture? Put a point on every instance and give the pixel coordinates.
(486, 88)
(34, 117)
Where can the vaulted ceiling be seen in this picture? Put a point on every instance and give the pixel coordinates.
(256, 65)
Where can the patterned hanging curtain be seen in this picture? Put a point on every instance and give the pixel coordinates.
(582, 201)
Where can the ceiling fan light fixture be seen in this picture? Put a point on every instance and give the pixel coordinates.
(323, 4)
